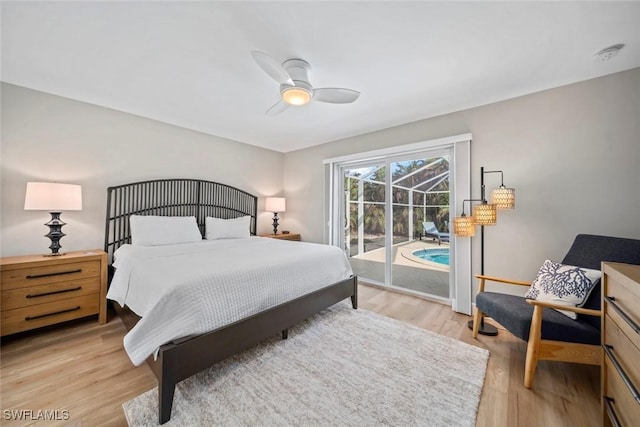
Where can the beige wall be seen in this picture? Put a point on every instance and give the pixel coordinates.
(49, 138)
(572, 153)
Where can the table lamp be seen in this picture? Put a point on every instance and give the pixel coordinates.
(54, 198)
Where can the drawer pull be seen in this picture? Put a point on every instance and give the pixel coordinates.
(608, 349)
(625, 317)
(609, 401)
(60, 273)
(61, 291)
(52, 314)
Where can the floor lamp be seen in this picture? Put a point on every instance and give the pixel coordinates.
(484, 213)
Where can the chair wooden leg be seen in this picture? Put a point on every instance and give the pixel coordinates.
(477, 318)
(533, 346)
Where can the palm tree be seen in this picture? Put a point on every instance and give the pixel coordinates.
(419, 179)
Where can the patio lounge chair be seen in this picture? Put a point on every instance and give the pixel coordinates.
(430, 230)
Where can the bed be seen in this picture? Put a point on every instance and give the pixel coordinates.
(179, 358)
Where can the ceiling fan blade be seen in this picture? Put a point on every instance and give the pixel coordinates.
(335, 95)
(271, 67)
(277, 108)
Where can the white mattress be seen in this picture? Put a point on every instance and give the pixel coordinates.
(193, 288)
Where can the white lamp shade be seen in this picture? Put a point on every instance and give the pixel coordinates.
(53, 197)
(275, 204)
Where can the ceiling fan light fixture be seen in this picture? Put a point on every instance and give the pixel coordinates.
(296, 96)
(295, 89)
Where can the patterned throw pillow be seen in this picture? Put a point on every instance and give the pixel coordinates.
(564, 285)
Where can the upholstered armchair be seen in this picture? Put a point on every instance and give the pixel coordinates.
(551, 335)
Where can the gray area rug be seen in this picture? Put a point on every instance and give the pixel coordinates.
(342, 367)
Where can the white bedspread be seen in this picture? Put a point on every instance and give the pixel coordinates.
(193, 288)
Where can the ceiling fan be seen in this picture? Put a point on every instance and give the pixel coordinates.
(295, 89)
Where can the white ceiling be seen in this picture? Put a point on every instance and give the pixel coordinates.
(189, 64)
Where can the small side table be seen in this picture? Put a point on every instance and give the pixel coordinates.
(290, 236)
(38, 291)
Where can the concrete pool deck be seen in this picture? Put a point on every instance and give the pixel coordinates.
(409, 271)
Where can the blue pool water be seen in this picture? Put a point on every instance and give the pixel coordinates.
(441, 256)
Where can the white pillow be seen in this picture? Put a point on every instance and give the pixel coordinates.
(564, 285)
(234, 228)
(150, 230)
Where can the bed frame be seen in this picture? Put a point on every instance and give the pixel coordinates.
(183, 358)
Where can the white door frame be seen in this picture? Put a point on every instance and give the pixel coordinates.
(460, 275)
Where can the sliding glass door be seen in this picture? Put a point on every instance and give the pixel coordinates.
(395, 213)
(390, 210)
(365, 219)
(420, 213)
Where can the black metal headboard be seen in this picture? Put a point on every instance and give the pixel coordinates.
(172, 197)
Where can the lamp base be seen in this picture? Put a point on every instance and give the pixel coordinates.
(485, 328)
(55, 233)
(275, 223)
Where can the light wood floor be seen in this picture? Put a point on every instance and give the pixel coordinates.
(83, 368)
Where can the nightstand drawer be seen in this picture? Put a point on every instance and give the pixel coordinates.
(62, 272)
(22, 319)
(33, 295)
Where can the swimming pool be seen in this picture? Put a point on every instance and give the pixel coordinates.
(440, 256)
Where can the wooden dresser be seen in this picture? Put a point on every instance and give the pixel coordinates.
(38, 291)
(621, 344)
(289, 236)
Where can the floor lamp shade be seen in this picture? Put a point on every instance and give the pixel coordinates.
(485, 214)
(464, 226)
(54, 198)
(503, 197)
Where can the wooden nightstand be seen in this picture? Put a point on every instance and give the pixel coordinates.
(39, 291)
(290, 236)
